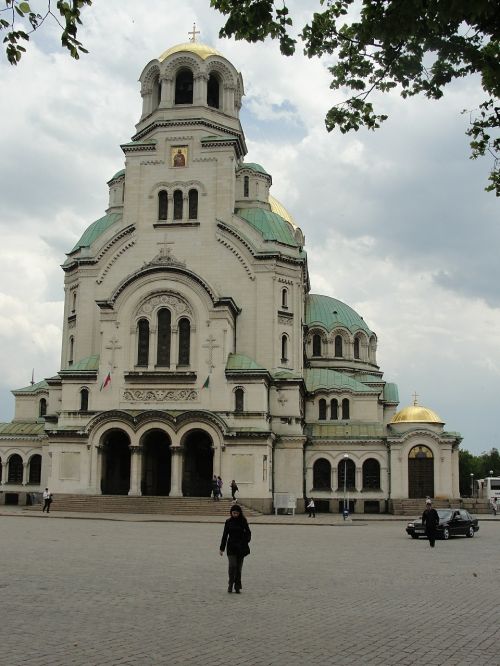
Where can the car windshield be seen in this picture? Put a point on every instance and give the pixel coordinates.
(444, 514)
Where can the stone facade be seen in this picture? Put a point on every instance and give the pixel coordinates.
(192, 345)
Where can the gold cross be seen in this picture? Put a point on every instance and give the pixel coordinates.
(415, 399)
(193, 33)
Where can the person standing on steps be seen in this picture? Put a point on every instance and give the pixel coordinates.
(236, 537)
(219, 484)
(430, 520)
(234, 490)
(215, 488)
(47, 499)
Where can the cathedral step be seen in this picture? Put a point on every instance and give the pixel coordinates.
(194, 506)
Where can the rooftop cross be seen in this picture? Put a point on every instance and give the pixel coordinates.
(415, 399)
(193, 33)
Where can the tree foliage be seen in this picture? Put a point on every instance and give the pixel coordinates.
(479, 466)
(414, 47)
(19, 21)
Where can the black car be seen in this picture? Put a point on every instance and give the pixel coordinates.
(452, 522)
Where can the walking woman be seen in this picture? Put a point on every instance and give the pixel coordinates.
(236, 536)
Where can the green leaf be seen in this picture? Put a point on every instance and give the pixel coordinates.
(24, 7)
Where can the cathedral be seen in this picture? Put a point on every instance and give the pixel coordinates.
(192, 345)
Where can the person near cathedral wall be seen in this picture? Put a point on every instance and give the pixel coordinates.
(234, 490)
(236, 537)
(219, 484)
(215, 488)
(311, 507)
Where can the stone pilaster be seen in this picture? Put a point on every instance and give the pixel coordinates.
(176, 471)
(135, 470)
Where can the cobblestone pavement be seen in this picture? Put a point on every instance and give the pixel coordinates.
(95, 592)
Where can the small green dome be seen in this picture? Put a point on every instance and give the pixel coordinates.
(95, 230)
(330, 313)
(253, 166)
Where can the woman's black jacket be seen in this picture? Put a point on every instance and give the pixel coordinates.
(237, 536)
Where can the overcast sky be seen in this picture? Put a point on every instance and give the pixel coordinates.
(397, 222)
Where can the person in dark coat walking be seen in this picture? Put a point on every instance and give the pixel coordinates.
(215, 489)
(234, 490)
(236, 536)
(430, 520)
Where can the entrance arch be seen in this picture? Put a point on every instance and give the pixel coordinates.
(420, 472)
(198, 464)
(156, 463)
(115, 478)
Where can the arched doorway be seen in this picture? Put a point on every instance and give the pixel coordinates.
(420, 472)
(156, 463)
(115, 478)
(198, 464)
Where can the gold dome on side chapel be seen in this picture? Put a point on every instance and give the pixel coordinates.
(416, 414)
(201, 50)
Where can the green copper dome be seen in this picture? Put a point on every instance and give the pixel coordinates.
(330, 313)
(95, 230)
(253, 166)
(271, 226)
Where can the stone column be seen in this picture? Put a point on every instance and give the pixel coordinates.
(2, 467)
(25, 473)
(200, 90)
(167, 92)
(146, 102)
(135, 470)
(170, 208)
(228, 100)
(97, 469)
(185, 207)
(359, 478)
(176, 471)
(174, 347)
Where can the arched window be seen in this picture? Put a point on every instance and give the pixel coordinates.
(322, 475)
(184, 87)
(239, 400)
(84, 400)
(338, 346)
(334, 409)
(35, 469)
(284, 348)
(371, 474)
(213, 91)
(322, 409)
(143, 342)
(345, 409)
(346, 470)
(178, 201)
(246, 186)
(284, 298)
(193, 204)
(156, 93)
(73, 307)
(162, 205)
(184, 341)
(164, 330)
(15, 469)
(42, 407)
(71, 350)
(316, 345)
(356, 347)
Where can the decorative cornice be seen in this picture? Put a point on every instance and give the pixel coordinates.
(238, 256)
(160, 395)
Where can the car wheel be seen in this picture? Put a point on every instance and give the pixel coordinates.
(446, 533)
(414, 536)
(470, 532)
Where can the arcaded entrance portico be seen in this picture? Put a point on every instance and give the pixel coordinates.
(156, 463)
(115, 471)
(198, 464)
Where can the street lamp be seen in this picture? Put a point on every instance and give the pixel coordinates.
(491, 472)
(472, 484)
(346, 511)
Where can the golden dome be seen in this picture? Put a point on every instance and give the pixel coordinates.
(279, 209)
(201, 50)
(416, 414)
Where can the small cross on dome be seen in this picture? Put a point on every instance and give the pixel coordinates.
(193, 33)
(415, 399)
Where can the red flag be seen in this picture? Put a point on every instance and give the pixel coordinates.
(106, 382)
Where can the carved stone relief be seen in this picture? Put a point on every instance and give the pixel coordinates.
(160, 395)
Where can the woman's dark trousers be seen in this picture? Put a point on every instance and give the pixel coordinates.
(235, 566)
(431, 535)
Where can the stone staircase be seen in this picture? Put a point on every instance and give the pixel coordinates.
(183, 506)
(415, 507)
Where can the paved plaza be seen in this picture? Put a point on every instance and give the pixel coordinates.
(90, 592)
